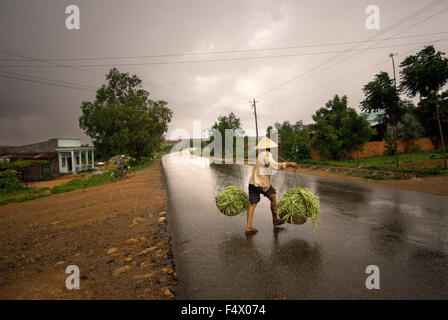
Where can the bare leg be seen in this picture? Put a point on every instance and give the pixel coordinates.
(250, 215)
(273, 199)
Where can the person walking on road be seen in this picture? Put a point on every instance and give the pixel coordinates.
(260, 182)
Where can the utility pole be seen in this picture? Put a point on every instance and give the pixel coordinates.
(391, 55)
(254, 105)
(394, 129)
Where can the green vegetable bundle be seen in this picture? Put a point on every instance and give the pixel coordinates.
(299, 202)
(232, 201)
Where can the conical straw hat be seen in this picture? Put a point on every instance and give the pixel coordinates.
(266, 143)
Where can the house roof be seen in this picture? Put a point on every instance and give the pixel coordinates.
(31, 156)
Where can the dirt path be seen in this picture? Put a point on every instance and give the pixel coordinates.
(51, 183)
(114, 233)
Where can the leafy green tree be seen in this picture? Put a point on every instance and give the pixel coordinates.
(122, 118)
(409, 131)
(228, 122)
(426, 73)
(382, 95)
(428, 117)
(294, 140)
(326, 140)
(356, 131)
(338, 129)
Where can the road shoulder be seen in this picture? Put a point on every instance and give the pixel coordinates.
(437, 185)
(115, 233)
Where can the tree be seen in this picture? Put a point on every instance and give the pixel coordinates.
(228, 122)
(326, 140)
(123, 119)
(294, 140)
(409, 131)
(356, 131)
(338, 129)
(426, 73)
(382, 95)
(428, 118)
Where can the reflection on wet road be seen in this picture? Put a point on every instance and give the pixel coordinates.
(404, 233)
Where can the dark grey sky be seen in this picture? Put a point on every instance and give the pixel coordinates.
(31, 112)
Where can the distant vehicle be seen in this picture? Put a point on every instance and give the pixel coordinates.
(100, 164)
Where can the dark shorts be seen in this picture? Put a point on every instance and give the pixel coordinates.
(254, 193)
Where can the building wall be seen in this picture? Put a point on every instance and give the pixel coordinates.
(86, 161)
(54, 167)
(377, 148)
(69, 143)
(35, 173)
(47, 146)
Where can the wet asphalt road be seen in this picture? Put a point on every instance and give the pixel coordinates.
(404, 233)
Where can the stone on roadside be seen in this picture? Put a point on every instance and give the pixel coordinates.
(112, 250)
(162, 219)
(167, 292)
(146, 251)
(138, 219)
(131, 241)
(167, 270)
(121, 270)
(146, 292)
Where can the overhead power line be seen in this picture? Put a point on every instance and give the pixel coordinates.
(306, 92)
(77, 86)
(215, 60)
(393, 26)
(94, 72)
(330, 44)
(44, 82)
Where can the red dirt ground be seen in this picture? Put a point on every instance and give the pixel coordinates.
(112, 232)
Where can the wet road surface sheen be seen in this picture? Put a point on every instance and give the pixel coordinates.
(404, 233)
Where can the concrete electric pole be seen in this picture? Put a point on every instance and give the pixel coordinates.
(391, 55)
(254, 105)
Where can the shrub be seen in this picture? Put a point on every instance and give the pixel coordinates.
(9, 181)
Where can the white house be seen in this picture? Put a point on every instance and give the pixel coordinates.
(66, 155)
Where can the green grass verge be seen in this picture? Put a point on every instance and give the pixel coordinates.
(23, 195)
(75, 184)
(387, 163)
(377, 176)
(81, 183)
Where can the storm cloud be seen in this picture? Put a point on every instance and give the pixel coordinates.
(204, 57)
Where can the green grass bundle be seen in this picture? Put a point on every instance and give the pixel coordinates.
(232, 201)
(299, 202)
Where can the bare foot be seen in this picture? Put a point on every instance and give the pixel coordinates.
(277, 221)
